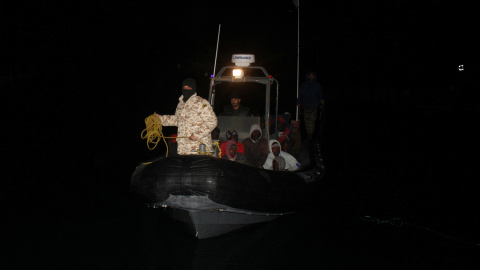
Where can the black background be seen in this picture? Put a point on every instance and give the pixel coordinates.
(400, 140)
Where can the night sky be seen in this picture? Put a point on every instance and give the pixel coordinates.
(123, 57)
(155, 44)
(79, 77)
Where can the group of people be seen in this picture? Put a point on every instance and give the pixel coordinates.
(197, 124)
(256, 151)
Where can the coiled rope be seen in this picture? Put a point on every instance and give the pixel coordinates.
(153, 134)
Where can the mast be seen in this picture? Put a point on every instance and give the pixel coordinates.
(297, 3)
(211, 94)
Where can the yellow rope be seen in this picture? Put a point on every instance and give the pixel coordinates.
(206, 153)
(217, 145)
(153, 134)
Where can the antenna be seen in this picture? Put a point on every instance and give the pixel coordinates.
(216, 52)
(298, 51)
(211, 94)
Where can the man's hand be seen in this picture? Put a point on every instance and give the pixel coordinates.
(192, 137)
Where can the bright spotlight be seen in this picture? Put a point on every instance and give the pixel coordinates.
(238, 73)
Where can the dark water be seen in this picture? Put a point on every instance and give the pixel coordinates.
(69, 206)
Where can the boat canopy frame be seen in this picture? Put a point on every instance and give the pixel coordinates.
(267, 80)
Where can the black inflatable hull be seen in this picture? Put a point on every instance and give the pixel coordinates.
(213, 196)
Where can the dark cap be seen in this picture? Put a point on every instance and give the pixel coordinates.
(234, 94)
(230, 133)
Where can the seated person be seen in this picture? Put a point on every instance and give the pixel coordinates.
(296, 139)
(287, 117)
(232, 153)
(285, 145)
(275, 151)
(256, 147)
(232, 135)
(278, 164)
(216, 135)
(216, 141)
(235, 108)
(283, 129)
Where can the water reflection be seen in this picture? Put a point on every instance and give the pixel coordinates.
(82, 216)
(275, 244)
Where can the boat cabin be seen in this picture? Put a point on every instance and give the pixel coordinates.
(243, 75)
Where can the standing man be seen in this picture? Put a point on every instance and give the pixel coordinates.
(194, 118)
(310, 99)
(235, 108)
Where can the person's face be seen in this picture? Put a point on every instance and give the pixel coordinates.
(233, 151)
(255, 135)
(276, 150)
(186, 87)
(235, 137)
(280, 125)
(295, 126)
(275, 165)
(285, 147)
(311, 77)
(235, 102)
(215, 135)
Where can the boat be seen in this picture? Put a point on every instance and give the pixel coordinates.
(212, 196)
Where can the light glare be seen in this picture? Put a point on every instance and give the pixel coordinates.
(238, 73)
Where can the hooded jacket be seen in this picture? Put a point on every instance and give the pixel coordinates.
(224, 147)
(255, 151)
(240, 148)
(239, 157)
(291, 163)
(281, 163)
(195, 116)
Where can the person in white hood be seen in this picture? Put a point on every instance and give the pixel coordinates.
(291, 164)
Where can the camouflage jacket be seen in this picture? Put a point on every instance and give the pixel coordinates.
(195, 117)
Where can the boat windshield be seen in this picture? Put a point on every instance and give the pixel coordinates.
(251, 90)
(250, 99)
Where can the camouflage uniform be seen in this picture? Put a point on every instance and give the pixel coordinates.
(195, 117)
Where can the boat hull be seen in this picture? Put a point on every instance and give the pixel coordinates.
(213, 196)
(204, 218)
